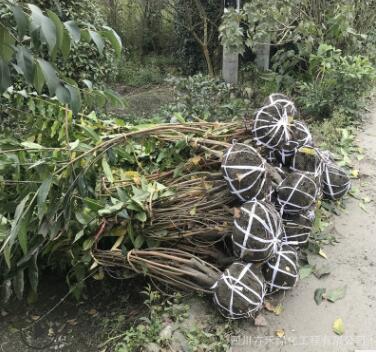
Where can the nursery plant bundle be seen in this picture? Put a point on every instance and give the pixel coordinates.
(193, 206)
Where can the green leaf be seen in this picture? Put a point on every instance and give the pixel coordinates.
(88, 83)
(33, 273)
(73, 30)
(4, 76)
(6, 43)
(138, 242)
(111, 209)
(4, 228)
(75, 98)
(26, 63)
(113, 98)
(74, 145)
(97, 39)
(339, 327)
(318, 295)
(305, 271)
(16, 223)
(49, 75)
(114, 39)
(21, 19)
(66, 45)
(336, 294)
(38, 81)
(141, 216)
(321, 271)
(59, 27)
(45, 25)
(31, 145)
(78, 235)
(19, 284)
(107, 170)
(43, 191)
(63, 94)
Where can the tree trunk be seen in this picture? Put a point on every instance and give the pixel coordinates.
(208, 60)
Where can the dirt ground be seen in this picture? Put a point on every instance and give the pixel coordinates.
(308, 327)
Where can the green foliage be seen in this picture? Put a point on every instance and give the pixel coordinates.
(230, 32)
(203, 98)
(333, 82)
(313, 54)
(48, 35)
(132, 74)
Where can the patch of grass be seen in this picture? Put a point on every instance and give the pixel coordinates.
(165, 327)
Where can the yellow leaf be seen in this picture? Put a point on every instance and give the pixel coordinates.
(192, 211)
(355, 173)
(99, 275)
(92, 312)
(278, 309)
(280, 333)
(119, 231)
(196, 159)
(118, 242)
(307, 151)
(323, 254)
(290, 119)
(338, 326)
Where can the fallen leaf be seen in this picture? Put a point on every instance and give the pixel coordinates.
(338, 326)
(278, 309)
(323, 254)
(51, 332)
(367, 200)
(336, 294)
(355, 173)
(318, 295)
(260, 321)
(237, 213)
(305, 271)
(268, 306)
(321, 271)
(92, 312)
(72, 322)
(363, 207)
(280, 332)
(196, 159)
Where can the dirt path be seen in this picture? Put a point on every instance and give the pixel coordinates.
(307, 326)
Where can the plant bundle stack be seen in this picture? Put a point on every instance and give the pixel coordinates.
(193, 206)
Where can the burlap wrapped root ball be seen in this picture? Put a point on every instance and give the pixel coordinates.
(298, 228)
(336, 183)
(281, 271)
(272, 125)
(257, 231)
(244, 170)
(300, 136)
(239, 292)
(307, 159)
(297, 192)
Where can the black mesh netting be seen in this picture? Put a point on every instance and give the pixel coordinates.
(336, 183)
